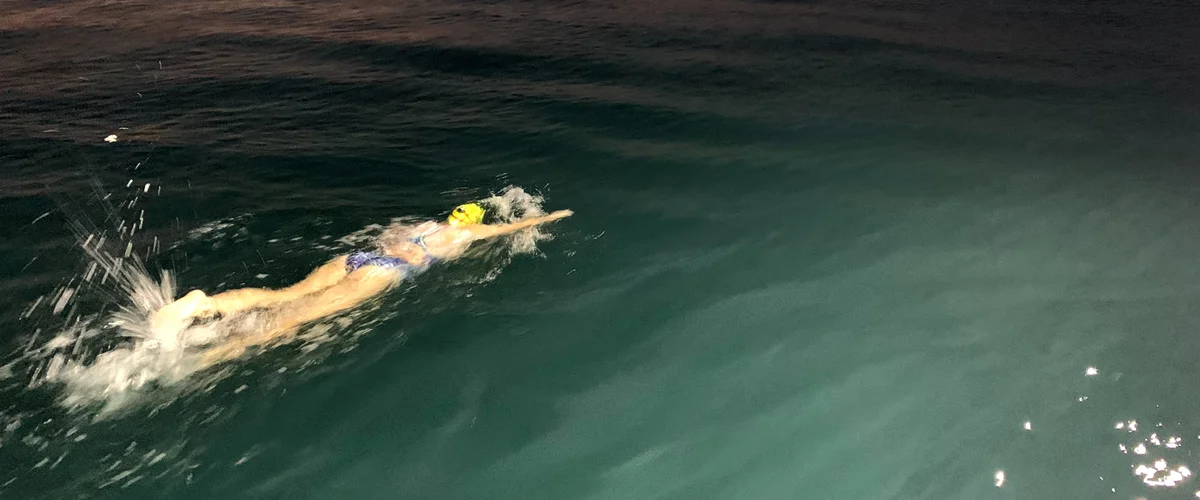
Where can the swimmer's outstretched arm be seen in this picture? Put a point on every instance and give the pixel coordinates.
(484, 231)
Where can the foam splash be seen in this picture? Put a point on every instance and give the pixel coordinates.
(142, 357)
(513, 204)
(101, 345)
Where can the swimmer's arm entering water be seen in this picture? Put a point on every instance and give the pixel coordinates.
(485, 231)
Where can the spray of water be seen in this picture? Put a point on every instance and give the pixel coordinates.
(514, 204)
(141, 358)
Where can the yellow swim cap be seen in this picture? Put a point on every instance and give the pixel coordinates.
(470, 213)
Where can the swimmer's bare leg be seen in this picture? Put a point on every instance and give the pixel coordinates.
(358, 287)
(234, 301)
(197, 304)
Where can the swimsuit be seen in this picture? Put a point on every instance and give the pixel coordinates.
(357, 260)
(419, 240)
(360, 259)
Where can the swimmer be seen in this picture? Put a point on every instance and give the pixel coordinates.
(344, 282)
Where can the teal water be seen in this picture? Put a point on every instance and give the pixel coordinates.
(840, 250)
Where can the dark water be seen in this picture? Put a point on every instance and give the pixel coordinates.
(836, 250)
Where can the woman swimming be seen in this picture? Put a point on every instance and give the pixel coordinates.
(342, 283)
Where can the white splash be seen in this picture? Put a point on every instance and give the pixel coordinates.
(513, 204)
(143, 358)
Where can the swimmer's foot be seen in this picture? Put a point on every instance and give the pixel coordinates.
(167, 322)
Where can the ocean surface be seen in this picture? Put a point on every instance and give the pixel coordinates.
(864, 249)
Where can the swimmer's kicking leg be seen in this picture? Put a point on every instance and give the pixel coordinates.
(358, 287)
(174, 316)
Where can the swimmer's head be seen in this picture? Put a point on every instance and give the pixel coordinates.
(470, 213)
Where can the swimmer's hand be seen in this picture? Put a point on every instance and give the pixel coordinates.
(559, 214)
